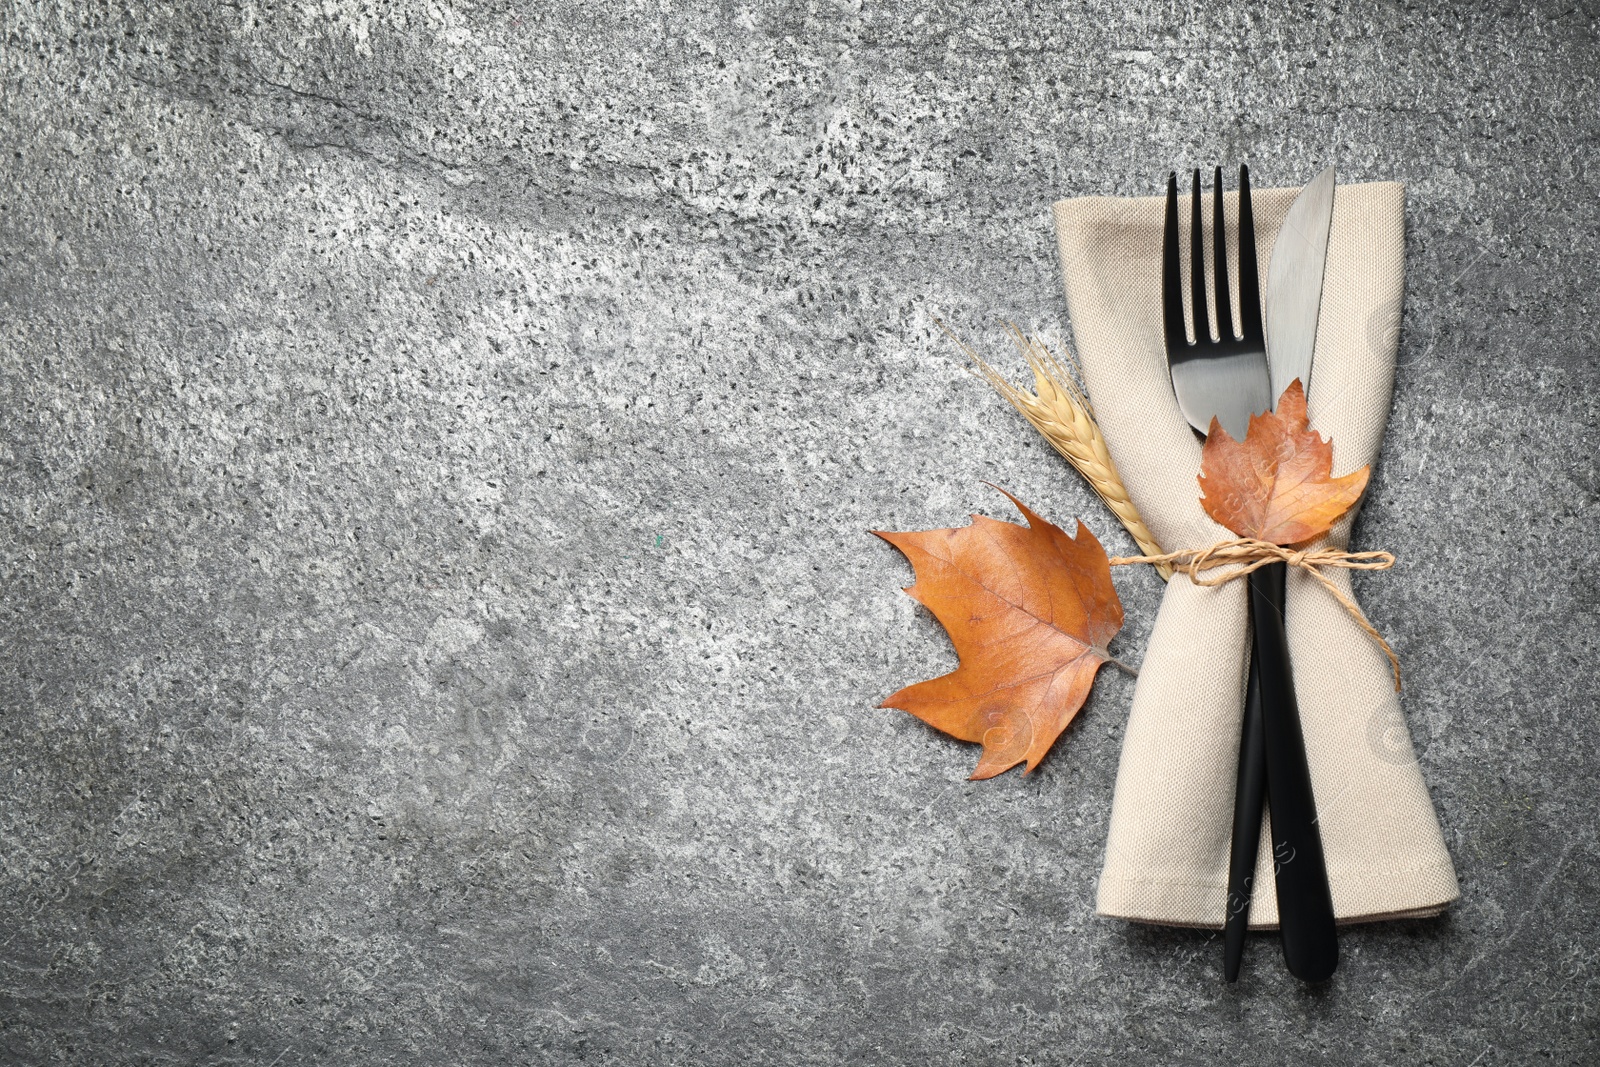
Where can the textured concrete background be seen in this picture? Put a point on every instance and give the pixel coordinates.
(437, 447)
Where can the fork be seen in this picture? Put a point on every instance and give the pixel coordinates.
(1227, 377)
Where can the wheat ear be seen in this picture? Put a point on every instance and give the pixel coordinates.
(1060, 410)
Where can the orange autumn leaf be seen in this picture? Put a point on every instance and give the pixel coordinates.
(1276, 485)
(1030, 611)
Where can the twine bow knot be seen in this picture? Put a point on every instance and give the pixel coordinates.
(1247, 555)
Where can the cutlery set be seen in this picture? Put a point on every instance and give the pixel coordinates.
(1237, 373)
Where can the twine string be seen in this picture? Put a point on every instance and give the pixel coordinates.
(1247, 555)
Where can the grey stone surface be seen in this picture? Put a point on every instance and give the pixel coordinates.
(437, 448)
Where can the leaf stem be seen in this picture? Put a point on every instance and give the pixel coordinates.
(1132, 672)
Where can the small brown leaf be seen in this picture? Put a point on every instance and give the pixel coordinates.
(1276, 485)
(1030, 611)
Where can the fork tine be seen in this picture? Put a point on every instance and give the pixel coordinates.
(1219, 232)
(1197, 267)
(1249, 278)
(1172, 273)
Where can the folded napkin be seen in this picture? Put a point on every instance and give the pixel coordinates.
(1172, 813)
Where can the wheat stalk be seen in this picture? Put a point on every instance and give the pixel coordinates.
(1060, 410)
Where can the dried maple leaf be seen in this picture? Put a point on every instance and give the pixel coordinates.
(1276, 485)
(1030, 611)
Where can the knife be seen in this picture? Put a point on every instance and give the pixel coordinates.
(1294, 298)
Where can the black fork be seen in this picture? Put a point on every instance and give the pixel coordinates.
(1227, 377)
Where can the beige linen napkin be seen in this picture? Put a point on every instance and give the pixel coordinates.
(1172, 813)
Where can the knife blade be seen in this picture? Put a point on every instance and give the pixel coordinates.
(1294, 284)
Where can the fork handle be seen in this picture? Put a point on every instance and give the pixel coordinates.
(1305, 903)
(1249, 796)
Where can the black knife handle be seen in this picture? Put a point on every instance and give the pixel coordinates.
(1248, 796)
(1305, 903)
